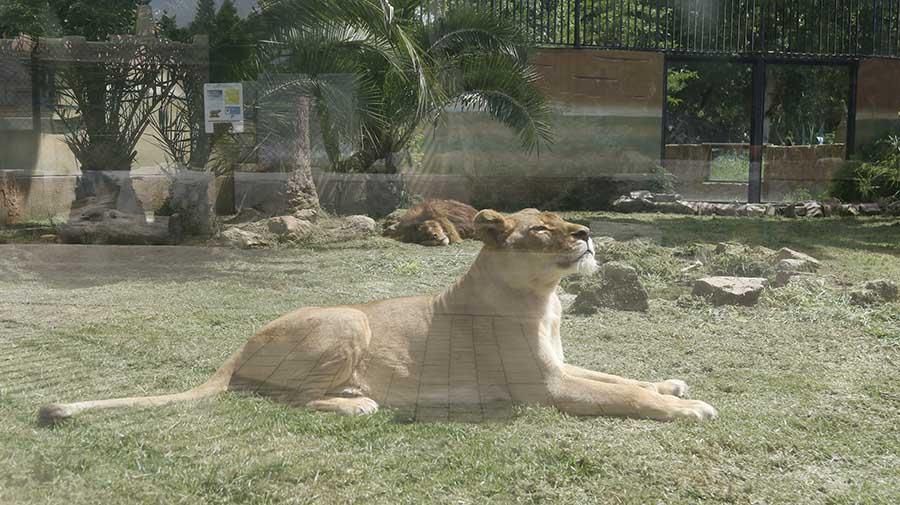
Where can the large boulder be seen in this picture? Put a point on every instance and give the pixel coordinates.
(360, 225)
(243, 239)
(875, 292)
(290, 227)
(730, 290)
(789, 260)
(617, 286)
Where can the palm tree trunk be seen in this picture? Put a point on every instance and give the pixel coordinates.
(301, 191)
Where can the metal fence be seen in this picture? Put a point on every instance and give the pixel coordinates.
(790, 28)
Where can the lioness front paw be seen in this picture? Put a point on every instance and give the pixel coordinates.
(672, 387)
(358, 406)
(694, 410)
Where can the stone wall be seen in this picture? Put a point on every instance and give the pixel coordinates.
(786, 170)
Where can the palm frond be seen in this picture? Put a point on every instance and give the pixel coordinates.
(505, 88)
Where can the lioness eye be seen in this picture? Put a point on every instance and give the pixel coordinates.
(539, 228)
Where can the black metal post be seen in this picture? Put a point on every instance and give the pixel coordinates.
(37, 76)
(665, 111)
(577, 22)
(850, 141)
(757, 123)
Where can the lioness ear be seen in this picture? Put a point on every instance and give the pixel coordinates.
(490, 226)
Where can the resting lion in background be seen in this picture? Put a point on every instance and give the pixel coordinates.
(435, 223)
(490, 340)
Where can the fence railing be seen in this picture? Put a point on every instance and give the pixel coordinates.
(790, 28)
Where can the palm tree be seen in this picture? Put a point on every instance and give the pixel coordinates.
(407, 65)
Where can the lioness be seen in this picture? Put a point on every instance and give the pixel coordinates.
(435, 223)
(488, 341)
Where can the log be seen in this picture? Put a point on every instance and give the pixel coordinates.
(110, 226)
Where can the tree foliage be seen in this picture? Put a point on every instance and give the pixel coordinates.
(406, 67)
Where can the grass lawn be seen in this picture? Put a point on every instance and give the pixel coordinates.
(807, 385)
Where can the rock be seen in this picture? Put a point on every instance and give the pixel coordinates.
(307, 215)
(110, 226)
(244, 239)
(752, 210)
(617, 286)
(784, 277)
(813, 209)
(893, 208)
(665, 197)
(641, 195)
(675, 207)
(875, 292)
(796, 266)
(870, 209)
(848, 209)
(730, 290)
(627, 205)
(789, 254)
(290, 227)
(48, 237)
(725, 209)
(360, 225)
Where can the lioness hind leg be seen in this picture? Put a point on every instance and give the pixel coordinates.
(358, 406)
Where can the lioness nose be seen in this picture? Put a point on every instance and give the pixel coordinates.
(582, 233)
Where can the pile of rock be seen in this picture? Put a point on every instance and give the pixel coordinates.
(671, 203)
(244, 232)
(746, 291)
(790, 264)
(617, 286)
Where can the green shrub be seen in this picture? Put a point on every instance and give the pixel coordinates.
(876, 179)
(582, 192)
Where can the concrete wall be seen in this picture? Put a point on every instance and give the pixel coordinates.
(877, 99)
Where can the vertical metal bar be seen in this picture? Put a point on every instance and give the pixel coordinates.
(757, 121)
(819, 26)
(577, 21)
(753, 24)
(702, 22)
(626, 24)
(763, 25)
(37, 75)
(665, 111)
(656, 30)
(726, 37)
(833, 28)
(850, 141)
(621, 34)
(875, 44)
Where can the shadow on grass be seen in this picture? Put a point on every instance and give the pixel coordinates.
(880, 235)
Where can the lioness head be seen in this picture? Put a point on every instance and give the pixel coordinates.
(531, 248)
(431, 232)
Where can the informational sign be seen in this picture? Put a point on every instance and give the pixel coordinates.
(224, 103)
